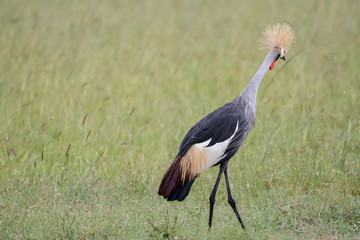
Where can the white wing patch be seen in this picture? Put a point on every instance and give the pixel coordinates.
(216, 151)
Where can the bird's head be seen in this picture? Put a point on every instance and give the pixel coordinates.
(278, 38)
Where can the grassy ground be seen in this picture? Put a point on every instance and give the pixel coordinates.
(96, 97)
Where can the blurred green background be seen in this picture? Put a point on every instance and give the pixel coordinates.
(96, 97)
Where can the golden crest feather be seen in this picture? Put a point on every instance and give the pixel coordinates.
(278, 36)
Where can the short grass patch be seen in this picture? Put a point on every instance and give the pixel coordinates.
(95, 98)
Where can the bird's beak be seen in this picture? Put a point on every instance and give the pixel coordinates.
(283, 57)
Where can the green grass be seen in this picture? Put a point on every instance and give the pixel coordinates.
(95, 98)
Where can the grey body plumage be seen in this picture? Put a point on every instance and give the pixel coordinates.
(221, 123)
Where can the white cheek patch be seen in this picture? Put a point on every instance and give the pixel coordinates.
(282, 52)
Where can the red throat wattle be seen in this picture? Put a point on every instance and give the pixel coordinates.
(272, 65)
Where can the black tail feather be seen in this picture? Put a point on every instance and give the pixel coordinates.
(181, 191)
(171, 187)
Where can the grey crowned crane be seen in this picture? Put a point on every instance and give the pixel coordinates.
(216, 138)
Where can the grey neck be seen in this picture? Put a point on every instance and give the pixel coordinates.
(256, 80)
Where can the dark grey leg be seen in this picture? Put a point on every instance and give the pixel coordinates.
(230, 198)
(213, 193)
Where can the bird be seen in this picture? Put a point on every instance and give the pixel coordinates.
(215, 139)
